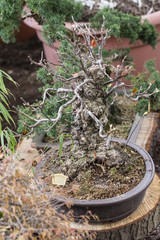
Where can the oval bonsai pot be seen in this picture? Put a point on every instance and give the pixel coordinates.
(116, 208)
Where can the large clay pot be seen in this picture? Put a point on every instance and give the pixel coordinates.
(139, 51)
(25, 32)
(50, 51)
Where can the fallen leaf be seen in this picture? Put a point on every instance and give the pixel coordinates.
(59, 179)
(145, 113)
(24, 132)
(75, 75)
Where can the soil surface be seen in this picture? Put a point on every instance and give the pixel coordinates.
(95, 175)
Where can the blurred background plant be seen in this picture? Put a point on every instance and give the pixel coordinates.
(144, 79)
(26, 211)
(6, 134)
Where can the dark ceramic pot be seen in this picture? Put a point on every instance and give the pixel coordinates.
(116, 208)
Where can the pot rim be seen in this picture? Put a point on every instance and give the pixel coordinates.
(152, 18)
(142, 186)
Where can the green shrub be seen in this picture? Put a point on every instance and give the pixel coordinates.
(10, 12)
(151, 75)
(50, 14)
(51, 107)
(124, 25)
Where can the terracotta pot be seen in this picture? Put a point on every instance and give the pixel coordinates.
(24, 33)
(111, 209)
(139, 51)
(49, 50)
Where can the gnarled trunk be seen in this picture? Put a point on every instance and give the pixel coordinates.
(91, 97)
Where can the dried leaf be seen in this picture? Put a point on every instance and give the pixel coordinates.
(93, 43)
(123, 73)
(135, 90)
(59, 179)
(152, 82)
(24, 132)
(95, 155)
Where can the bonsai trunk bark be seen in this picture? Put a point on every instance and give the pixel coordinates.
(91, 97)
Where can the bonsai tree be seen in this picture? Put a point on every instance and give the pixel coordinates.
(91, 91)
(90, 159)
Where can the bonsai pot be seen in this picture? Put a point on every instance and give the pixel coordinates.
(139, 51)
(24, 33)
(116, 208)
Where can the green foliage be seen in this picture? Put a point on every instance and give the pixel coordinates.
(151, 75)
(50, 14)
(1, 214)
(10, 12)
(61, 140)
(50, 110)
(6, 135)
(53, 14)
(71, 63)
(124, 25)
(51, 106)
